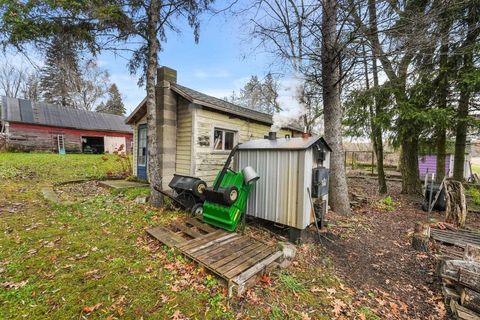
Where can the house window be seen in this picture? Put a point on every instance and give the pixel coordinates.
(223, 139)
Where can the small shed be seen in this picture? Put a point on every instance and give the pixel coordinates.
(287, 167)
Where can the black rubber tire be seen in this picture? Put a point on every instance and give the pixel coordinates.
(199, 187)
(425, 206)
(230, 195)
(197, 209)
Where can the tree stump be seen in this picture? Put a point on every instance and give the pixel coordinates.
(456, 204)
(421, 237)
(420, 242)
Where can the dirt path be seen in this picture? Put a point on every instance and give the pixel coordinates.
(373, 256)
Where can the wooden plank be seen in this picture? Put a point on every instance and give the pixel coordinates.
(166, 236)
(211, 243)
(244, 276)
(245, 264)
(225, 250)
(187, 230)
(235, 255)
(232, 243)
(201, 225)
(203, 239)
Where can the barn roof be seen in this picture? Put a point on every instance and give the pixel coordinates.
(26, 111)
(205, 100)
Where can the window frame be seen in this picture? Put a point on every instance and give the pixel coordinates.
(223, 130)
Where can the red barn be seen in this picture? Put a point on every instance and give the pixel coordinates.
(38, 126)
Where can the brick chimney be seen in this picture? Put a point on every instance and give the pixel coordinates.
(167, 123)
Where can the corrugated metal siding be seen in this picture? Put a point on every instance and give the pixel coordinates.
(279, 194)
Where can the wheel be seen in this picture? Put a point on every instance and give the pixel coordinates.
(425, 206)
(230, 195)
(197, 209)
(199, 187)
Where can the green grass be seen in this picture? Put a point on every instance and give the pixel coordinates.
(476, 168)
(54, 167)
(59, 262)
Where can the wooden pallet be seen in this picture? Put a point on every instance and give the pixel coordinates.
(235, 258)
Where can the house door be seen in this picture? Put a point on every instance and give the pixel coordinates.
(142, 152)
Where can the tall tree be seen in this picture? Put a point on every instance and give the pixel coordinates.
(306, 34)
(12, 79)
(116, 22)
(91, 87)
(331, 82)
(469, 80)
(114, 104)
(148, 21)
(61, 71)
(402, 34)
(261, 95)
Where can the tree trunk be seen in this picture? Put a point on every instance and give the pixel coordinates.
(441, 132)
(332, 108)
(154, 176)
(409, 164)
(456, 204)
(376, 128)
(465, 93)
(461, 135)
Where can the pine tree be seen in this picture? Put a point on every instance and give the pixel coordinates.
(61, 71)
(114, 104)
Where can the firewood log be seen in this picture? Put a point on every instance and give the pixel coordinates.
(470, 299)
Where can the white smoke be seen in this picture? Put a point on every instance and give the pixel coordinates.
(291, 88)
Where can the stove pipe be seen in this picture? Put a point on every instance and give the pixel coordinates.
(272, 135)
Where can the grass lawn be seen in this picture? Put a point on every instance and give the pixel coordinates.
(93, 259)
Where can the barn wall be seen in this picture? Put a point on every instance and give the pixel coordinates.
(28, 137)
(208, 162)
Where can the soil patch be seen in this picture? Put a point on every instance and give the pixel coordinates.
(81, 191)
(374, 257)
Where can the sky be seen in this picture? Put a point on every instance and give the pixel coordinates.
(221, 62)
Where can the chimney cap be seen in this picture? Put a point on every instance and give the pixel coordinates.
(166, 74)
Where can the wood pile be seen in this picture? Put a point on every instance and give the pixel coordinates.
(461, 282)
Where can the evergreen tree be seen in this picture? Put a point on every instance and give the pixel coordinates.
(114, 104)
(61, 71)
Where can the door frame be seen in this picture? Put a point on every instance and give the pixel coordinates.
(144, 167)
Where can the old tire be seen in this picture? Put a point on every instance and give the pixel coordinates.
(230, 195)
(198, 188)
(197, 209)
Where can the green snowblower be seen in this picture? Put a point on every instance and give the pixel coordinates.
(226, 201)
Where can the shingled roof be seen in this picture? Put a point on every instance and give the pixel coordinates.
(26, 111)
(210, 102)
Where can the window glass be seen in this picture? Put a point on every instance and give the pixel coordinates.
(218, 140)
(229, 140)
(142, 146)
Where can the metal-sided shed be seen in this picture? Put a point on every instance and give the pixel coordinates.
(287, 167)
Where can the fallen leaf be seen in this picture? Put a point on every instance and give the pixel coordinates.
(315, 289)
(92, 308)
(331, 291)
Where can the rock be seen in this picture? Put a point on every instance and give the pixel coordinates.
(141, 199)
(289, 250)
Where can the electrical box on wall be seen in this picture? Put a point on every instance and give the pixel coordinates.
(320, 182)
